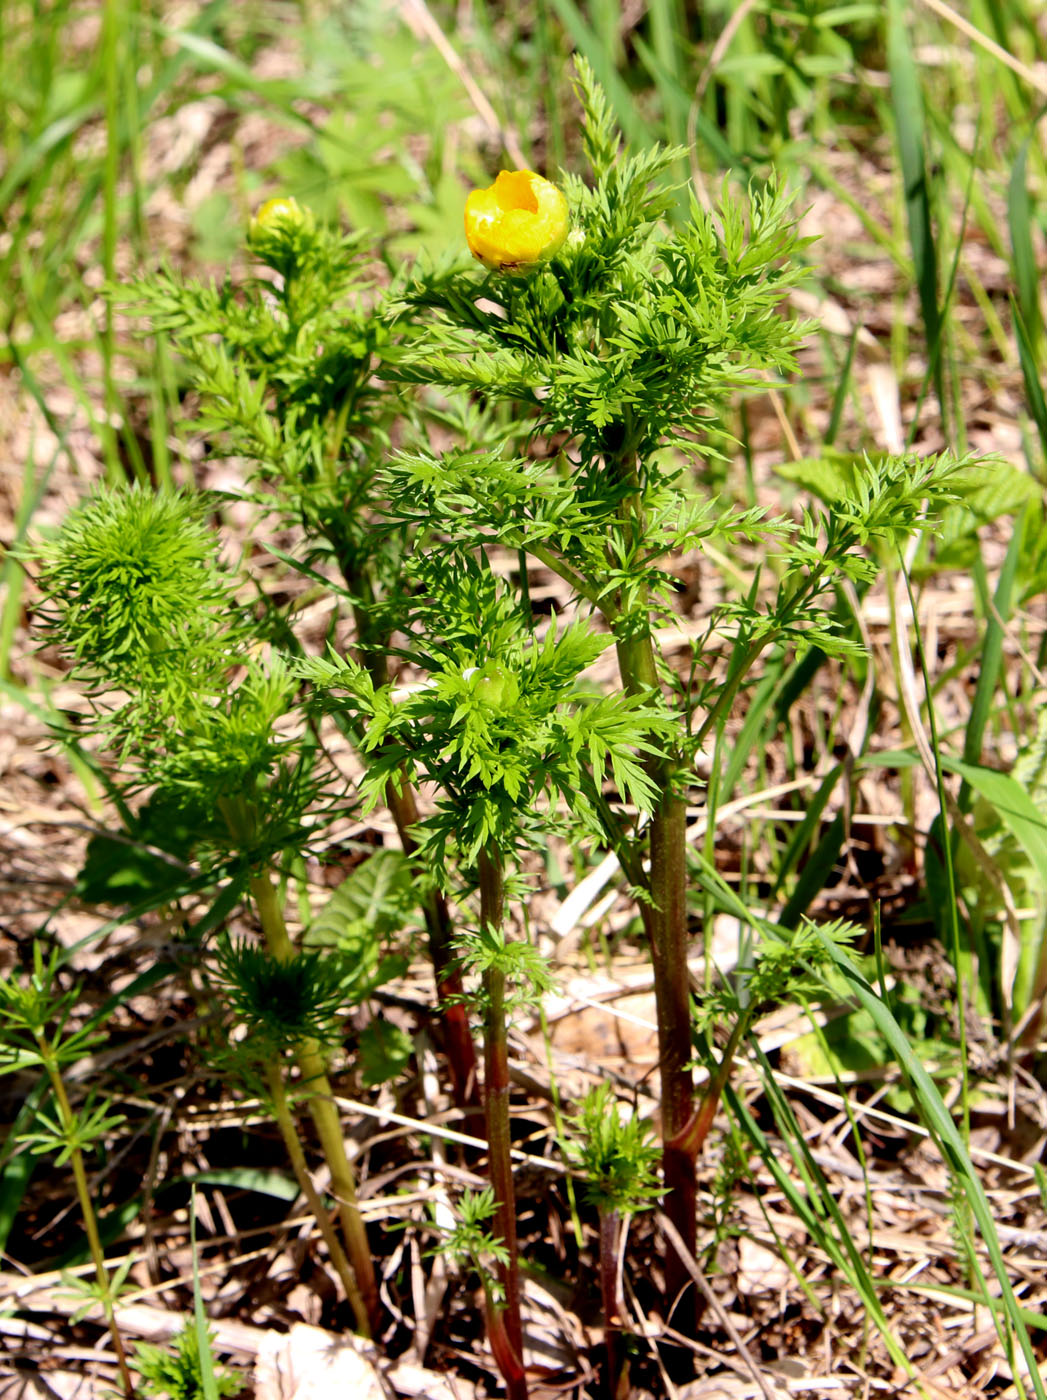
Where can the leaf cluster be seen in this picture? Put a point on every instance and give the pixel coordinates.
(616, 1154)
(283, 1002)
(285, 364)
(174, 1372)
(786, 965)
(137, 600)
(883, 502)
(34, 1017)
(53, 1132)
(501, 721)
(470, 1244)
(525, 969)
(133, 588)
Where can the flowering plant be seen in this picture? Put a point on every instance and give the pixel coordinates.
(618, 351)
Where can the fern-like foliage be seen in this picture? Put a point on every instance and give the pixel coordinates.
(502, 724)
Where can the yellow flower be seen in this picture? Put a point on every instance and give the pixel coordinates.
(277, 221)
(282, 208)
(517, 223)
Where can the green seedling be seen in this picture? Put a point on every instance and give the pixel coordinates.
(175, 1372)
(34, 1033)
(617, 1157)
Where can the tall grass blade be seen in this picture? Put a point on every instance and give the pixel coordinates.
(1026, 271)
(16, 1168)
(815, 874)
(843, 384)
(938, 1120)
(1034, 395)
(1013, 804)
(910, 135)
(586, 41)
(813, 1202)
(208, 1384)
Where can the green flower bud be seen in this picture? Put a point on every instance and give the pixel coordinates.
(496, 687)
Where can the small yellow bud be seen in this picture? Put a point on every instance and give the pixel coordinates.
(517, 223)
(276, 222)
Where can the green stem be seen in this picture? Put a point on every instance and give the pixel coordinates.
(736, 673)
(313, 1069)
(577, 583)
(665, 919)
(289, 1132)
(94, 1239)
(698, 1129)
(499, 1145)
(112, 22)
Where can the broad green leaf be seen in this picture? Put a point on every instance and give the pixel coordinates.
(375, 899)
(831, 477)
(265, 1183)
(385, 1050)
(1016, 808)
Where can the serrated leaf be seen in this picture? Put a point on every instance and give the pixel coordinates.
(994, 488)
(831, 477)
(375, 899)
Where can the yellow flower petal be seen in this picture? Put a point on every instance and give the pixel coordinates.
(517, 223)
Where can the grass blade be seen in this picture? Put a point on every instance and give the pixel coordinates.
(208, 1384)
(947, 1137)
(1026, 272)
(907, 102)
(589, 46)
(1034, 396)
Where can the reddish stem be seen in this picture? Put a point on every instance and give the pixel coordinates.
(400, 797)
(665, 922)
(450, 990)
(609, 1221)
(499, 1145)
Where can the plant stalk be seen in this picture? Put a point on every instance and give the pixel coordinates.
(313, 1069)
(665, 922)
(450, 990)
(496, 1107)
(94, 1239)
(609, 1224)
(665, 918)
(289, 1131)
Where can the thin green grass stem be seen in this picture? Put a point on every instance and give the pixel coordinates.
(952, 915)
(87, 1210)
(113, 19)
